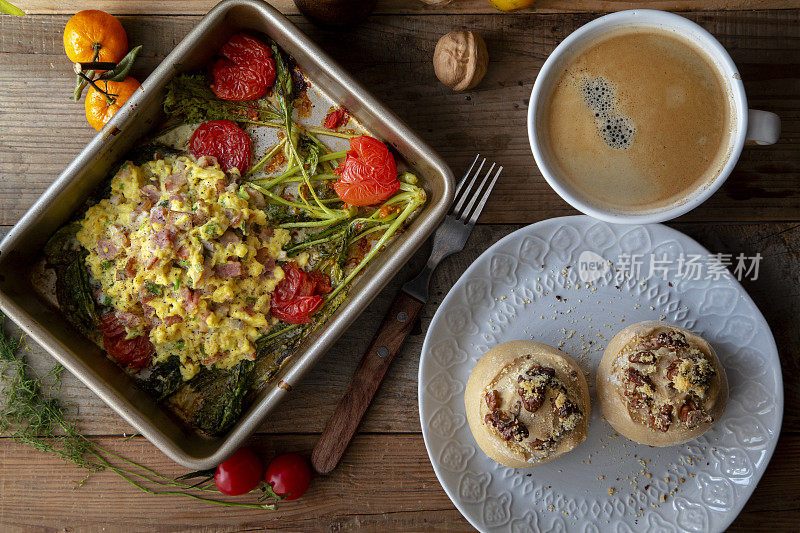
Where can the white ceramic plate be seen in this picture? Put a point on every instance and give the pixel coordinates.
(532, 285)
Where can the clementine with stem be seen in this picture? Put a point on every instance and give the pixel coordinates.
(102, 105)
(94, 35)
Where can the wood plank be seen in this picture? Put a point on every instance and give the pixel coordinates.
(385, 482)
(35, 81)
(313, 400)
(200, 7)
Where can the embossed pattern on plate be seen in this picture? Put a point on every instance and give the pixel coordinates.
(527, 286)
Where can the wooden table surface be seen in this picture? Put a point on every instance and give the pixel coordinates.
(385, 480)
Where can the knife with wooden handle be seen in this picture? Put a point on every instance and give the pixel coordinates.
(449, 238)
(346, 418)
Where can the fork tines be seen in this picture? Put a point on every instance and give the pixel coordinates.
(469, 194)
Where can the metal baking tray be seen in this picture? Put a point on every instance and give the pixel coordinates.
(142, 115)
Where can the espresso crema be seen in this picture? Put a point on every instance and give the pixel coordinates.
(638, 119)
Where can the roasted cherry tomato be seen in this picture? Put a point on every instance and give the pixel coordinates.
(298, 295)
(335, 118)
(368, 175)
(240, 474)
(245, 69)
(134, 353)
(224, 140)
(322, 283)
(289, 475)
(298, 310)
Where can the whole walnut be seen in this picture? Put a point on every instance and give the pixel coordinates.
(460, 59)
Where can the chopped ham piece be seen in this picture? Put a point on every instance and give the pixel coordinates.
(119, 235)
(229, 270)
(151, 192)
(204, 275)
(256, 197)
(162, 239)
(229, 237)
(130, 267)
(183, 252)
(205, 161)
(201, 323)
(265, 233)
(221, 309)
(234, 216)
(150, 316)
(263, 257)
(143, 207)
(191, 299)
(172, 319)
(200, 217)
(106, 249)
(185, 222)
(158, 215)
(125, 171)
(175, 181)
(129, 319)
(201, 213)
(138, 219)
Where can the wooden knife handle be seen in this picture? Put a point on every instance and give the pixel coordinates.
(365, 382)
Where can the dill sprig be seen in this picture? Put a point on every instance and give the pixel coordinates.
(34, 415)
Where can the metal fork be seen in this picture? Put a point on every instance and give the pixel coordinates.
(452, 234)
(449, 238)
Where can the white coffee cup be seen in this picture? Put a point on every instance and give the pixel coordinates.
(751, 126)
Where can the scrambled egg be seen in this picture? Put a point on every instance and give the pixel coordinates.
(180, 252)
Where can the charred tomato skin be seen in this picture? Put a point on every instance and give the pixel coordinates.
(299, 294)
(368, 174)
(245, 69)
(134, 353)
(335, 118)
(225, 141)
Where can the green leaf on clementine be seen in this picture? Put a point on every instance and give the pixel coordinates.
(10, 9)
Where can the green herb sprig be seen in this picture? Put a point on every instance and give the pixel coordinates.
(34, 415)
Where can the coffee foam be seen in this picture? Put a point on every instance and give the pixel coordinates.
(616, 130)
(638, 119)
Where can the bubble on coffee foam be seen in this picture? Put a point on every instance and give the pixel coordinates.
(598, 94)
(616, 130)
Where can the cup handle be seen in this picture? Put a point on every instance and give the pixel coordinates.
(763, 127)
